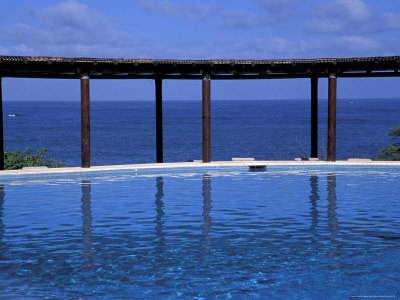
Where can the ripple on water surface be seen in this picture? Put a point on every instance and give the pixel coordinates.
(284, 234)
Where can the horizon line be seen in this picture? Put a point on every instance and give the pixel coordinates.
(193, 100)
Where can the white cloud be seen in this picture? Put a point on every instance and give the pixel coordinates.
(4, 51)
(265, 48)
(17, 33)
(73, 15)
(71, 28)
(278, 47)
(266, 13)
(243, 20)
(281, 10)
(350, 17)
(192, 12)
(392, 21)
(68, 28)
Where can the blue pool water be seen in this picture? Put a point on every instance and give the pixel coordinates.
(267, 235)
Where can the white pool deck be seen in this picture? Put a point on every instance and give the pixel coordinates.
(350, 162)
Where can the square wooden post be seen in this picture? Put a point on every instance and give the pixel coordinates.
(206, 120)
(314, 117)
(159, 121)
(1, 128)
(332, 117)
(85, 121)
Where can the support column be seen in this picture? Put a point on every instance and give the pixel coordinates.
(85, 121)
(206, 120)
(1, 128)
(332, 117)
(314, 117)
(159, 121)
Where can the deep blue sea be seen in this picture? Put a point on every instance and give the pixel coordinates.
(124, 132)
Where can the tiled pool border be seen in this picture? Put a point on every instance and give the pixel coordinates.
(193, 168)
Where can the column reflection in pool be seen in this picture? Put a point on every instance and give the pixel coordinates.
(2, 194)
(206, 213)
(160, 253)
(333, 224)
(87, 224)
(332, 218)
(160, 236)
(314, 199)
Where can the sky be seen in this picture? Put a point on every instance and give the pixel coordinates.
(199, 29)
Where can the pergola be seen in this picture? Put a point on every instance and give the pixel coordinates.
(205, 70)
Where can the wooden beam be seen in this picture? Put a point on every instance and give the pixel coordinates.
(206, 120)
(1, 128)
(332, 117)
(192, 76)
(85, 121)
(159, 121)
(314, 117)
(64, 67)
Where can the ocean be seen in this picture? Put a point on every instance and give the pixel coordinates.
(123, 132)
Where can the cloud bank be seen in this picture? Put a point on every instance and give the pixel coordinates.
(68, 28)
(189, 11)
(259, 29)
(352, 17)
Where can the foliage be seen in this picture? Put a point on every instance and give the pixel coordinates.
(395, 131)
(14, 160)
(391, 152)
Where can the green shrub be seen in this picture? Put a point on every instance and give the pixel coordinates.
(395, 131)
(14, 160)
(391, 152)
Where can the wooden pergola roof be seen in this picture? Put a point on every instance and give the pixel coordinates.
(113, 68)
(205, 70)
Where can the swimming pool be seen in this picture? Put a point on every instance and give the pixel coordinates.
(279, 234)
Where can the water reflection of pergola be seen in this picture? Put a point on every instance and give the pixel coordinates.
(205, 70)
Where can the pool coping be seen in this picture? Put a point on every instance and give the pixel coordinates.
(195, 167)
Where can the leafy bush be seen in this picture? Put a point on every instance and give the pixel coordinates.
(391, 152)
(14, 160)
